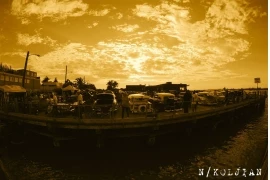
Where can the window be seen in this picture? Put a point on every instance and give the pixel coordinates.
(27, 73)
(16, 79)
(11, 79)
(7, 78)
(27, 81)
(2, 77)
(20, 80)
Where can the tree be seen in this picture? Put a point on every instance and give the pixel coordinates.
(46, 79)
(80, 83)
(90, 86)
(111, 85)
(67, 83)
(55, 80)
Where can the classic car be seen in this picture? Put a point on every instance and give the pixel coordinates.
(105, 104)
(164, 102)
(138, 103)
(206, 98)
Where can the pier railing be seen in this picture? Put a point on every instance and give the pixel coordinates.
(88, 111)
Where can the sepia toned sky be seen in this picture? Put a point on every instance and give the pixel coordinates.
(203, 43)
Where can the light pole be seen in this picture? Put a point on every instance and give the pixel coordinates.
(25, 66)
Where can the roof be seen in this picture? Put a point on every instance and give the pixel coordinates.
(12, 88)
(138, 96)
(69, 88)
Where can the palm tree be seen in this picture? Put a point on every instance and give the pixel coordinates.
(111, 85)
(46, 79)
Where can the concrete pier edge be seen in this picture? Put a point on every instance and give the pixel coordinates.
(5, 171)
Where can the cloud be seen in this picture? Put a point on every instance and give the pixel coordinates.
(26, 39)
(160, 42)
(232, 15)
(126, 27)
(103, 12)
(57, 10)
(94, 24)
(212, 42)
(82, 60)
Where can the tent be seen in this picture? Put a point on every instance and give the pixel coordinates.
(12, 89)
(69, 88)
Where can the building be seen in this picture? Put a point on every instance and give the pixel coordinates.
(167, 87)
(138, 88)
(32, 82)
(50, 86)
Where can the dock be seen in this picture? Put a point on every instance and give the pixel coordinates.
(148, 125)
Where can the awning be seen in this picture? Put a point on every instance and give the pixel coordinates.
(12, 89)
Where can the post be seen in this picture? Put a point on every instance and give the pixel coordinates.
(258, 91)
(66, 74)
(25, 67)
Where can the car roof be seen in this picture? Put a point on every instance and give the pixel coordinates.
(139, 95)
(165, 94)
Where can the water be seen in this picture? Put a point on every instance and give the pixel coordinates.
(173, 157)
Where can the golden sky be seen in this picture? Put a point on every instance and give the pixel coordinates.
(203, 43)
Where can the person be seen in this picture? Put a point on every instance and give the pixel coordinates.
(195, 100)
(186, 102)
(80, 98)
(80, 102)
(55, 100)
(125, 104)
(226, 97)
(54, 103)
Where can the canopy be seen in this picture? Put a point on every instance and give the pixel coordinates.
(69, 88)
(12, 89)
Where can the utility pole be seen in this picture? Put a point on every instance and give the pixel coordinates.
(66, 74)
(24, 70)
(25, 66)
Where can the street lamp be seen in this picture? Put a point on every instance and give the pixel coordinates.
(25, 65)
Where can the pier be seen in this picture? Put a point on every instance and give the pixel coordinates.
(148, 125)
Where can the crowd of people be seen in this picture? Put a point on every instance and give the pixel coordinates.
(34, 102)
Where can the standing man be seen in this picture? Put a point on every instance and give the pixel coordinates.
(194, 102)
(80, 102)
(186, 102)
(80, 98)
(125, 104)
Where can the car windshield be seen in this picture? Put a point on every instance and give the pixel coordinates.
(104, 101)
(142, 99)
(105, 96)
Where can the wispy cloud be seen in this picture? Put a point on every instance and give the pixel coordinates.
(94, 24)
(57, 10)
(138, 43)
(103, 12)
(126, 27)
(213, 41)
(26, 39)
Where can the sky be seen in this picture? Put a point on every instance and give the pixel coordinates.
(203, 43)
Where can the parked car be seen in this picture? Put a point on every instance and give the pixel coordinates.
(205, 98)
(105, 104)
(164, 101)
(252, 94)
(220, 96)
(138, 103)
